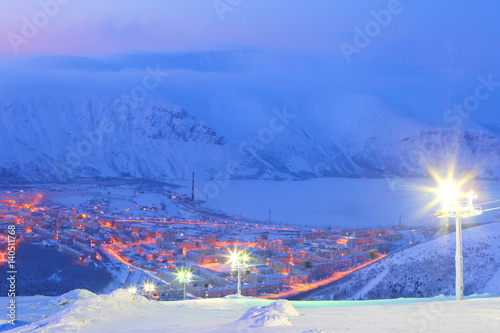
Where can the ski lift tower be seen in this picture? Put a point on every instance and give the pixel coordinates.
(452, 208)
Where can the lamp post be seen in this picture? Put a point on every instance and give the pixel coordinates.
(239, 260)
(149, 288)
(459, 210)
(184, 276)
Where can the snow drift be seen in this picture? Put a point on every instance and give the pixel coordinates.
(275, 314)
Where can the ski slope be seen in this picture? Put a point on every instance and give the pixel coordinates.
(122, 312)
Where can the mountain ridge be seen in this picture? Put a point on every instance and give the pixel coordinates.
(162, 141)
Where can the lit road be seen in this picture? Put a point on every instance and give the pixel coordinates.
(178, 222)
(115, 255)
(310, 286)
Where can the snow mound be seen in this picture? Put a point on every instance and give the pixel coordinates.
(70, 297)
(275, 314)
(86, 313)
(285, 307)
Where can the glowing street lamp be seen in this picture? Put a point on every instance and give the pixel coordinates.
(184, 276)
(149, 288)
(453, 208)
(132, 290)
(239, 260)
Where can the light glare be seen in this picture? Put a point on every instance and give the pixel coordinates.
(449, 194)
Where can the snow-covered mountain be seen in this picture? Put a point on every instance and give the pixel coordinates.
(427, 269)
(225, 114)
(383, 141)
(47, 140)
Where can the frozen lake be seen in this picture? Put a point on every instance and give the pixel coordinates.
(338, 201)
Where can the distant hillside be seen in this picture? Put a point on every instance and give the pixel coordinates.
(427, 270)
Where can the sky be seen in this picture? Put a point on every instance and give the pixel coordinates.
(453, 30)
(423, 55)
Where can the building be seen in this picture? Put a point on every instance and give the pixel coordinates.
(170, 247)
(72, 252)
(316, 234)
(45, 233)
(268, 245)
(206, 256)
(168, 236)
(209, 239)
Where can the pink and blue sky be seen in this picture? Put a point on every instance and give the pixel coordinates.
(462, 33)
(426, 59)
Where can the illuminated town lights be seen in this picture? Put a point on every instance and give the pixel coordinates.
(132, 290)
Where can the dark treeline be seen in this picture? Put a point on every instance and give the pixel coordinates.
(46, 271)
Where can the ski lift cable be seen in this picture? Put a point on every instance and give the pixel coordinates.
(485, 203)
(487, 210)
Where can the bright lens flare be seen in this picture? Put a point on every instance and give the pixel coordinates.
(237, 258)
(132, 290)
(449, 194)
(149, 287)
(234, 258)
(184, 275)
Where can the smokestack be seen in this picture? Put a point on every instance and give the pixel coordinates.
(192, 189)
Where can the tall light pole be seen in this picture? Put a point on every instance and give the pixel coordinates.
(149, 288)
(459, 210)
(239, 260)
(184, 276)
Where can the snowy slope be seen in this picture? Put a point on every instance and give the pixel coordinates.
(49, 140)
(427, 269)
(381, 139)
(122, 312)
